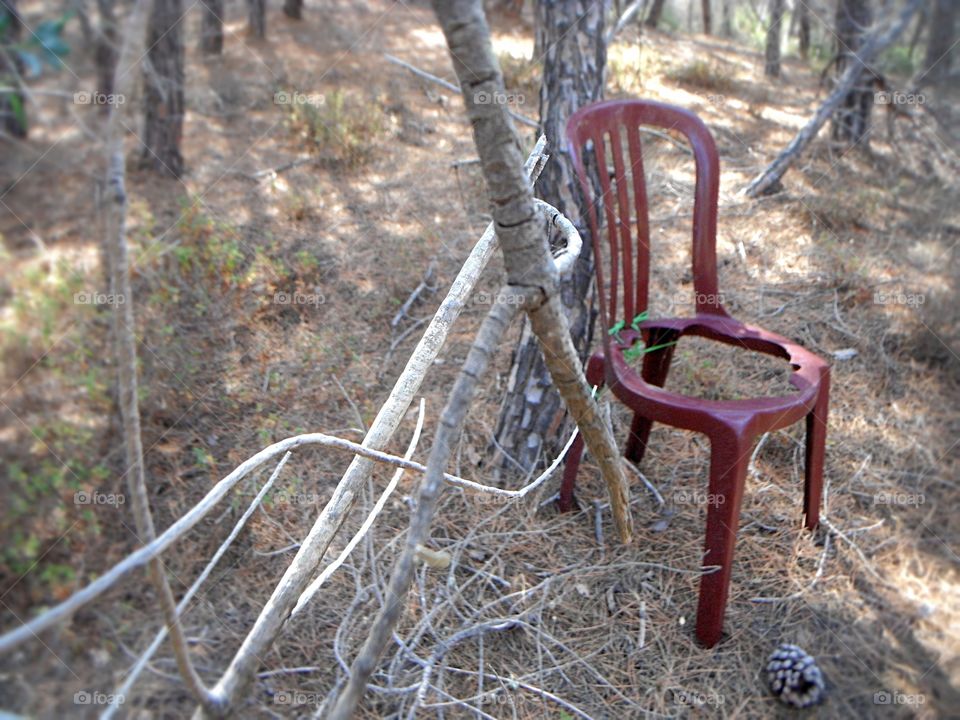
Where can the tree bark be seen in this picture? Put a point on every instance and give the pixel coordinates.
(803, 29)
(574, 59)
(104, 49)
(726, 27)
(851, 121)
(771, 67)
(211, 27)
(769, 180)
(163, 89)
(293, 9)
(656, 10)
(257, 17)
(13, 108)
(707, 17)
(942, 42)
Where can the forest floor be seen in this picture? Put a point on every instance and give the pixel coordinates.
(857, 259)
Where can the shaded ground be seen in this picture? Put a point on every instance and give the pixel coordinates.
(264, 309)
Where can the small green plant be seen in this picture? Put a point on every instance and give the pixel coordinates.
(701, 74)
(638, 349)
(338, 126)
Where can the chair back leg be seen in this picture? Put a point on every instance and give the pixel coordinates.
(816, 447)
(656, 365)
(729, 458)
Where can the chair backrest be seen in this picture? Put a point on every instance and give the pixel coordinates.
(625, 258)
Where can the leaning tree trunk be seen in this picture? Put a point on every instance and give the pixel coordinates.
(851, 122)
(257, 16)
(211, 27)
(942, 44)
(13, 109)
(573, 66)
(163, 89)
(803, 30)
(293, 9)
(707, 18)
(656, 10)
(771, 67)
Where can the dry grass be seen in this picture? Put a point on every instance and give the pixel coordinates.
(540, 615)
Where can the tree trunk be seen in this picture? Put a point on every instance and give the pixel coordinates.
(293, 9)
(656, 10)
(13, 108)
(105, 49)
(257, 15)
(851, 122)
(726, 27)
(803, 30)
(771, 67)
(163, 89)
(211, 27)
(941, 45)
(529, 427)
(707, 19)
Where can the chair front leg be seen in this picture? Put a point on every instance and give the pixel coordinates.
(565, 502)
(729, 458)
(815, 451)
(656, 365)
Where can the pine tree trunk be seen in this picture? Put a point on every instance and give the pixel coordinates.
(211, 27)
(941, 46)
(803, 31)
(293, 9)
(13, 108)
(105, 49)
(163, 89)
(573, 66)
(257, 16)
(851, 122)
(726, 27)
(707, 18)
(656, 10)
(771, 67)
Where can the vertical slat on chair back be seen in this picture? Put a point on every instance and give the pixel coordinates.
(624, 260)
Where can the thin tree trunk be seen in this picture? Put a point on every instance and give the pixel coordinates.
(104, 52)
(531, 275)
(851, 122)
(707, 17)
(293, 9)
(803, 29)
(257, 17)
(656, 10)
(769, 180)
(13, 108)
(726, 27)
(771, 67)
(163, 89)
(211, 27)
(942, 42)
(529, 426)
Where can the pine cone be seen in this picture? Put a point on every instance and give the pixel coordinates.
(794, 677)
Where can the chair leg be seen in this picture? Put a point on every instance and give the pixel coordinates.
(656, 365)
(816, 446)
(565, 502)
(730, 456)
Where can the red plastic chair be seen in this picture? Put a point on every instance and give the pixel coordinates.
(732, 426)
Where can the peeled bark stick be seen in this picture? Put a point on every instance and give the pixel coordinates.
(304, 566)
(768, 181)
(526, 253)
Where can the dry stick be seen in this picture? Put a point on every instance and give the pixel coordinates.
(530, 122)
(451, 424)
(625, 19)
(532, 276)
(184, 524)
(875, 42)
(365, 527)
(298, 575)
(124, 690)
